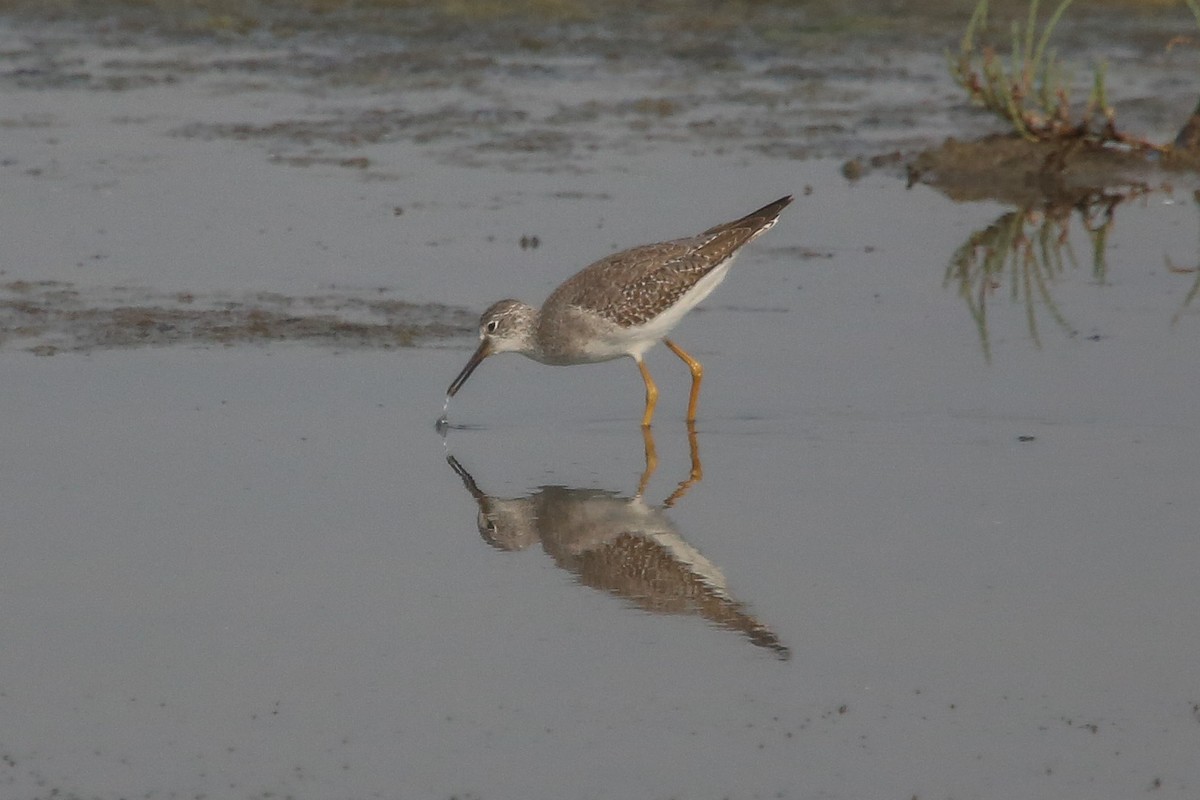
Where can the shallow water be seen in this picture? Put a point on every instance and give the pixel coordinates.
(244, 563)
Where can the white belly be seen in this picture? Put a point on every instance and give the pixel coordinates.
(641, 338)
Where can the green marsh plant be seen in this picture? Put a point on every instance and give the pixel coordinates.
(1030, 88)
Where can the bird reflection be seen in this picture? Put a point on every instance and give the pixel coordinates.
(620, 545)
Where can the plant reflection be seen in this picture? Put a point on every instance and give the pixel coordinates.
(620, 545)
(1193, 270)
(1029, 251)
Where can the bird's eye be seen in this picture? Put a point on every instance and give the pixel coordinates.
(490, 327)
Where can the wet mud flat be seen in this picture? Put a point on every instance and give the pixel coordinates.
(565, 90)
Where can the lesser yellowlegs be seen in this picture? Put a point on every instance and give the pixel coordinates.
(622, 305)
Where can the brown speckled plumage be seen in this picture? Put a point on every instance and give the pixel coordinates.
(635, 285)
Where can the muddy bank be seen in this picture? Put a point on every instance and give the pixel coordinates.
(1021, 172)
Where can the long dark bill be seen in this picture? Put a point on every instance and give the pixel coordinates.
(484, 350)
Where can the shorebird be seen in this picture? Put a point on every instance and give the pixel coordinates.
(622, 305)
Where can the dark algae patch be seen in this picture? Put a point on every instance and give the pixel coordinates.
(51, 317)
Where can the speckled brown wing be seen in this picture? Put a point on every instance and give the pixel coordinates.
(660, 285)
(635, 285)
(759, 221)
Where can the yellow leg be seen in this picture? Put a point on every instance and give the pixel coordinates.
(651, 394)
(697, 376)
